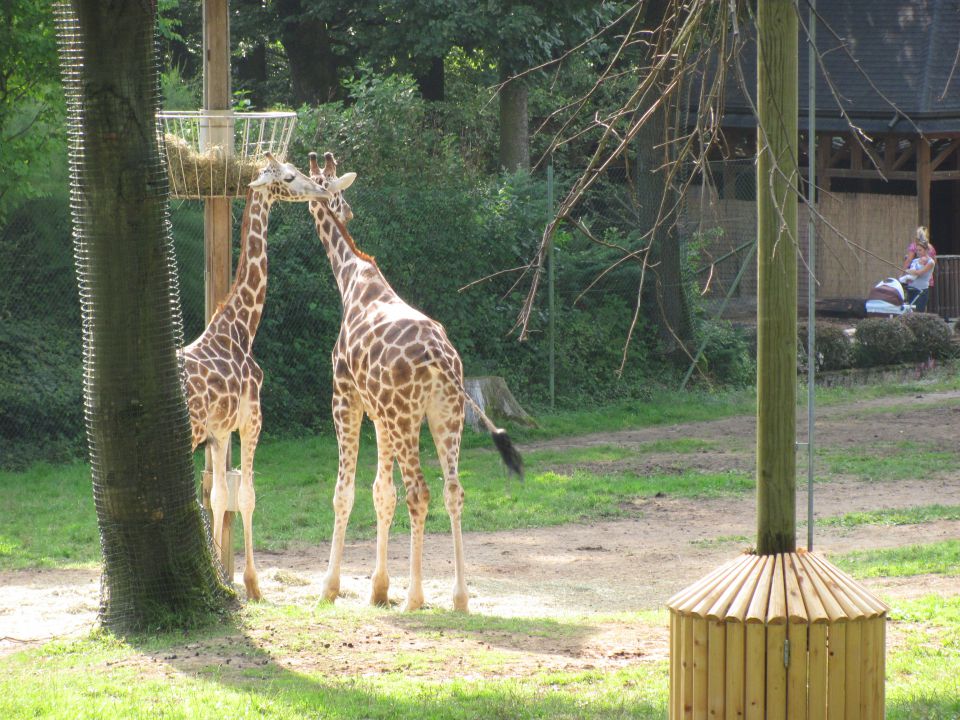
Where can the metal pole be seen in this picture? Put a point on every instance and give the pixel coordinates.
(551, 302)
(811, 254)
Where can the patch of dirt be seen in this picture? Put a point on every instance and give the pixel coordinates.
(591, 571)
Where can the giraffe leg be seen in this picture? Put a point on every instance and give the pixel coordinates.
(384, 502)
(249, 436)
(347, 416)
(446, 433)
(418, 501)
(218, 491)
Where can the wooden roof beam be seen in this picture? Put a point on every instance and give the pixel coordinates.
(943, 154)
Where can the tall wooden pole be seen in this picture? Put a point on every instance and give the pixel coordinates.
(217, 225)
(777, 142)
(923, 181)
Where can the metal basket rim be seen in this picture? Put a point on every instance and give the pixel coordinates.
(264, 115)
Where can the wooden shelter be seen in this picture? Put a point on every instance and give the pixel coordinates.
(888, 68)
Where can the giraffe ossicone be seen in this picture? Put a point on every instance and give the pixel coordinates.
(222, 381)
(397, 366)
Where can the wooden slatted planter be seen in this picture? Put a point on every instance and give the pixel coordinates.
(777, 637)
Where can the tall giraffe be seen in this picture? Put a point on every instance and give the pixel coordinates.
(222, 380)
(397, 366)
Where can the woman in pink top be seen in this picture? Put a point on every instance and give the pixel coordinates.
(923, 235)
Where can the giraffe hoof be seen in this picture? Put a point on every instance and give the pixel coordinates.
(461, 602)
(379, 589)
(414, 602)
(253, 590)
(331, 589)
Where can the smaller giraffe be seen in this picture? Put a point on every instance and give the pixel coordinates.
(397, 366)
(222, 380)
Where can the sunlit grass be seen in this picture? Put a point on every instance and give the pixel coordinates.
(923, 673)
(455, 669)
(942, 558)
(52, 520)
(893, 516)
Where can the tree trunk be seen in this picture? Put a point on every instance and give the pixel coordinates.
(249, 69)
(776, 276)
(313, 64)
(431, 80)
(675, 318)
(157, 568)
(251, 74)
(493, 396)
(514, 130)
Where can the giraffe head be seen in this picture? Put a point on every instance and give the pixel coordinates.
(327, 178)
(282, 181)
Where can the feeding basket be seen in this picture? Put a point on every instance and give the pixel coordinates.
(777, 637)
(216, 153)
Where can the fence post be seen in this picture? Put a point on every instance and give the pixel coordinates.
(551, 303)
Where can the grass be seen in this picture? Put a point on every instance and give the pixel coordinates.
(893, 516)
(285, 662)
(889, 461)
(239, 673)
(723, 540)
(942, 558)
(51, 519)
(661, 408)
(923, 671)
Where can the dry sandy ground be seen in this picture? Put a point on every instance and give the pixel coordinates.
(583, 569)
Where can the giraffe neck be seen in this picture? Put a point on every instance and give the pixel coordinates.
(352, 268)
(244, 305)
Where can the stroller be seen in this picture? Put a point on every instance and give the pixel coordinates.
(888, 298)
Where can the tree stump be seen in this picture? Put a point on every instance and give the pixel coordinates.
(493, 396)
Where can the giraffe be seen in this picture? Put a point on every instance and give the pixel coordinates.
(397, 366)
(222, 380)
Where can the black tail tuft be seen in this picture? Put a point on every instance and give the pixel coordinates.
(511, 458)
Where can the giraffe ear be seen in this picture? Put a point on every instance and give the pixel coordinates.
(314, 165)
(329, 164)
(342, 183)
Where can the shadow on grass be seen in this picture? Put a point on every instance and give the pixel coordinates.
(530, 635)
(251, 676)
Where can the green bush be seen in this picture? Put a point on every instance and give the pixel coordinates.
(41, 394)
(727, 358)
(931, 336)
(429, 205)
(833, 347)
(882, 341)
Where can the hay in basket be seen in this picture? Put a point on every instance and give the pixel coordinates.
(209, 173)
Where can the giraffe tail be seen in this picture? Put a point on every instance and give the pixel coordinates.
(508, 451)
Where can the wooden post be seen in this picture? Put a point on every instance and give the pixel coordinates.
(776, 276)
(755, 680)
(868, 674)
(733, 682)
(817, 688)
(686, 680)
(716, 669)
(676, 648)
(785, 636)
(824, 151)
(700, 687)
(923, 181)
(217, 221)
(797, 677)
(852, 681)
(836, 670)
